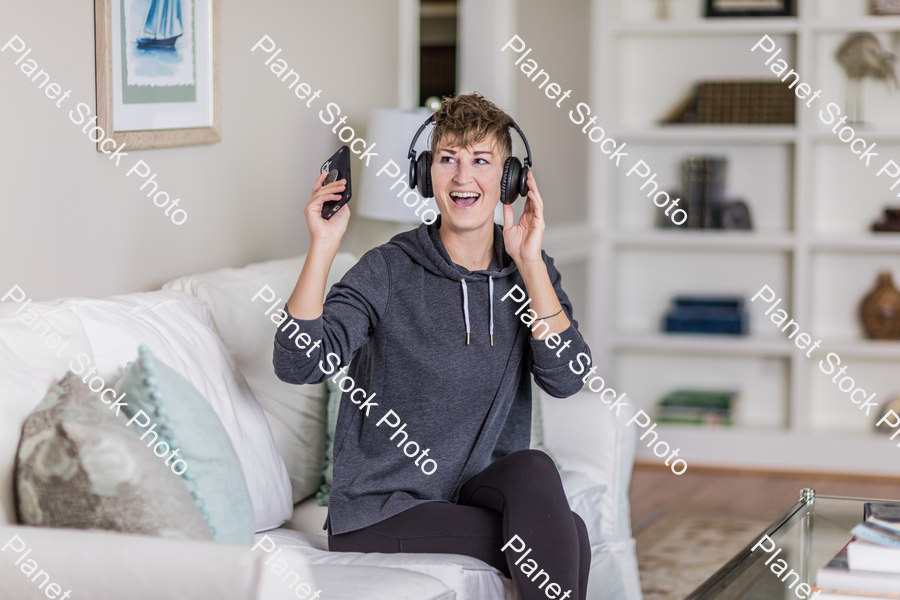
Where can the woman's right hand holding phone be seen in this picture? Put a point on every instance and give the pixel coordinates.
(325, 238)
(331, 231)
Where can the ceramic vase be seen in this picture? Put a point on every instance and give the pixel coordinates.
(880, 309)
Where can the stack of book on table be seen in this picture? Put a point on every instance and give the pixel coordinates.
(697, 407)
(869, 566)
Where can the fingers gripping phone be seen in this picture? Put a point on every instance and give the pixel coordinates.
(337, 167)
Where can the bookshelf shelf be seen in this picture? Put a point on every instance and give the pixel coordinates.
(811, 204)
(702, 344)
(885, 23)
(884, 136)
(776, 448)
(886, 242)
(710, 134)
(860, 349)
(707, 27)
(705, 240)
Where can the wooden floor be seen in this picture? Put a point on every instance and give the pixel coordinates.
(655, 490)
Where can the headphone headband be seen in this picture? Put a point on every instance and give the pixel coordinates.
(412, 152)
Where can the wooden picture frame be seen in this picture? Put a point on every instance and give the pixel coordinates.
(749, 8)
(167, 90)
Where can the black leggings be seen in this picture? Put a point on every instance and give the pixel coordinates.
(519, 495)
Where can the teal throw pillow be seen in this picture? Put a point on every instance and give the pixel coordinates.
(175, 416)
(537, 424)
(334, 404)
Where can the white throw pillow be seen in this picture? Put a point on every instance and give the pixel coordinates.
(178, 330)
(296, 413)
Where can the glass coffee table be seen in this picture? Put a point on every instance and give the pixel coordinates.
(810, 533)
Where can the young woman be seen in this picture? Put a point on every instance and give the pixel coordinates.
(427, 334)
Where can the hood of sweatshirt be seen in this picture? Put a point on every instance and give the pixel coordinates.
(423, 245)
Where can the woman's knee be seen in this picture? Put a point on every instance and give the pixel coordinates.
(531, 472)
(523, 473)
(533, 462)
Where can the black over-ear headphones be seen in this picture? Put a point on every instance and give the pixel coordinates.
(512, 184)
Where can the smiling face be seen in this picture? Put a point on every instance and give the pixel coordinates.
(466, 183)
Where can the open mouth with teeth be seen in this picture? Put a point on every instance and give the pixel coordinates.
(464, 199)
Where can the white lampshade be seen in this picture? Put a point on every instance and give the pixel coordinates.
(392, 130)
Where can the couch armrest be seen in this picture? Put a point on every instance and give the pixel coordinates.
(111, 566)
(584, 435)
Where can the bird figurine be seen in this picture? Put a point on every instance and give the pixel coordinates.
(861, 55)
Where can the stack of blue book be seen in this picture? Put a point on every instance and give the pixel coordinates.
(723, 315)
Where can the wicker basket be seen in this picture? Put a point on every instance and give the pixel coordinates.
(736, 103)
(885, 7)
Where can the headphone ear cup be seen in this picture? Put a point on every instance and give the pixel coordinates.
(429, 190)
(509, 183)
(413, 173)
(423, 175)
(523, 182)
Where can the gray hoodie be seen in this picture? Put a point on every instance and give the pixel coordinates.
(401, 317)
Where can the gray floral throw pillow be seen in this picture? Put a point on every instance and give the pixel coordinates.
(79, 466)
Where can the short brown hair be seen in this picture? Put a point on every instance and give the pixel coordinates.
(469, 119)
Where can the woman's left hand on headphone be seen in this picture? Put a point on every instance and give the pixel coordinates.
(523, 241)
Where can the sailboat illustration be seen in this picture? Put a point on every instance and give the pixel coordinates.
(163, 25)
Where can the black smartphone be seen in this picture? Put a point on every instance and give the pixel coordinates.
(337, 167)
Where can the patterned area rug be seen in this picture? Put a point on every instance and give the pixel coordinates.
(679, 550)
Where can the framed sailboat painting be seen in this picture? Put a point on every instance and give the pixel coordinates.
(158, 72)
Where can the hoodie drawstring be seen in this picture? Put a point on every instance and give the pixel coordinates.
(466, 307)
(491, 297)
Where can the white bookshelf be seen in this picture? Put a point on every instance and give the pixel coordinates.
(811, 202)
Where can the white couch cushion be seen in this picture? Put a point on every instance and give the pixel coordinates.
(471, 578)
(112, 566)
(309, 518)
(296, 413)
(106, 333)
(346, 582)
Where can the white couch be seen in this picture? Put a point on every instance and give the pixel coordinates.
(207, 328)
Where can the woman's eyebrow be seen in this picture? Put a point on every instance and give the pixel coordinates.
(452, 151)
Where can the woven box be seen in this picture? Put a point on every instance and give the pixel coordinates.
(885, 7)
(736, 103)
(745, 102)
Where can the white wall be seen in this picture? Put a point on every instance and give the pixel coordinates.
(72, 224)
(559, 34)
(484, 27)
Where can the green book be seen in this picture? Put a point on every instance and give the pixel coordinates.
(709, 399)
